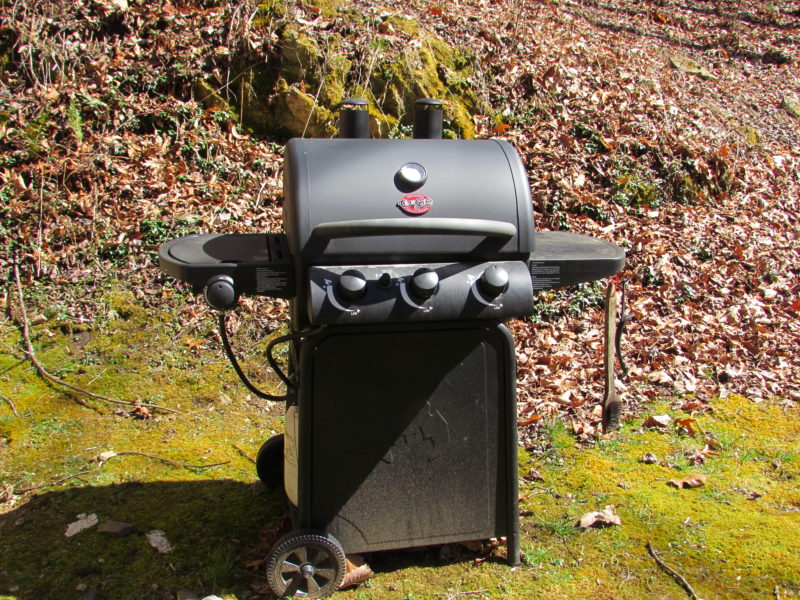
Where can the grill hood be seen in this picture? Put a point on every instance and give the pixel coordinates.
(353, 201)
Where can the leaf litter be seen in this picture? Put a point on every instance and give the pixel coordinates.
(584, 96)
(616, 146)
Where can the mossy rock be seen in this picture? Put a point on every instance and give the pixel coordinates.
(792, 105)
(208, 96)
(299, 113)
(299, 56)
(296, 91)
(433, 70)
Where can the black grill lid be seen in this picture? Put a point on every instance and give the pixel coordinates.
(348, 201)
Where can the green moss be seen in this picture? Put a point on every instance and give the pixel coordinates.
(327, 8)
(737, 536)
(402, 24)
(727, 545)
(750, 134)
(433, 70)
(634, 189)
(212, 516)
(208, 96)
(122, 303)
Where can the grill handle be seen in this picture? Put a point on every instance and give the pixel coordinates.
(404, 226)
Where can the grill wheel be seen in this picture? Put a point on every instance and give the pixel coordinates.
(269, 463)
(306, 564)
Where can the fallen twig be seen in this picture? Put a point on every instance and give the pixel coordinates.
(454, 595)
(56, 482)
(10, 404)
(680, 579)
(571, 553)
(243, 453)
(168, 461)
(52, 378)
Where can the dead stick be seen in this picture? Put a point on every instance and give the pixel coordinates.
(44, 485)
(571, 553)
(52, 378)
(243, 453)
(462, 594)
(10, 405)
(168, 461)
(680, 579)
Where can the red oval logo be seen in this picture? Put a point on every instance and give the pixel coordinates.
(415, 204)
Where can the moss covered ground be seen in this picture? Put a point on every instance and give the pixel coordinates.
(737, 536)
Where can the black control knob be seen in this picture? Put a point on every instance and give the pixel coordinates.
(352, 285)
(424, 283)
(494, 281)
(220, 292)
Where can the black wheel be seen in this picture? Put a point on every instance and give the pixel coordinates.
(306, 565)
(269, 463)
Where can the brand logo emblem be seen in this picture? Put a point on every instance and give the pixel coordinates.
(415, 204)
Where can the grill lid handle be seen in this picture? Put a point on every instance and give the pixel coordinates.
(404, 226)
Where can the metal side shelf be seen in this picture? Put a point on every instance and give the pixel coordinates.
(258, 263)
(561, 258)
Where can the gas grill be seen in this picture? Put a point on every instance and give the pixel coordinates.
(401, 259)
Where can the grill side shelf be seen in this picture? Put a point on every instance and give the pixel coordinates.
(561, 258)
(259, 263)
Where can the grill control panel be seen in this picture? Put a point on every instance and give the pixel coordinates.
(419, 292)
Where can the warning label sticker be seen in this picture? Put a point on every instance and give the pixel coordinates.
(270, 280)
(545, 276)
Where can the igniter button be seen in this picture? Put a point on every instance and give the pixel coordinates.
(385, 281)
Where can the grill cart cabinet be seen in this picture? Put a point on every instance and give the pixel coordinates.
(407, 435)
(401, 259)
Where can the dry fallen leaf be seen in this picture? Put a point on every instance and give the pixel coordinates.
(657, 421)
(357, 571)
(690, 481)
(84, 522)
(104, 456)
(603, 518)
(684, 425)
(158, 540)
(533, 475)
(694, 405)
(530, 420)
(649, 458)
(660, 377)
(696, 457)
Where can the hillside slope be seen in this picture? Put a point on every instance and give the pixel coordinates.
(662, 126)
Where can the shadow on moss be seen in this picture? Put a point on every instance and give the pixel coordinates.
(214, 527)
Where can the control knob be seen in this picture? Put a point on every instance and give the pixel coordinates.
(352, 285)
(220, 292)
(494, 281)
(424, 283)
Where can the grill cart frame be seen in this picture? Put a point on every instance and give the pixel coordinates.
(401, 259)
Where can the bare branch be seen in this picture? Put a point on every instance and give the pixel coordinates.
(680, 579)
(29, 352)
